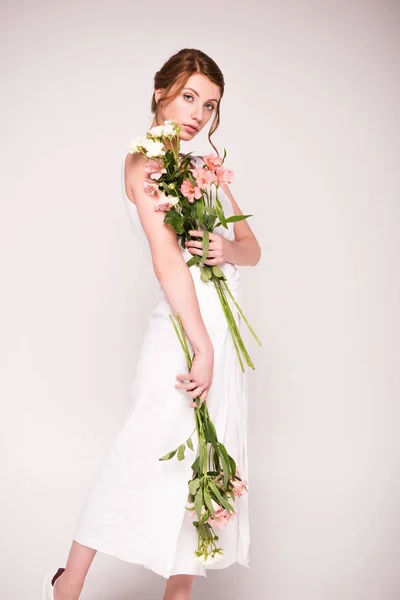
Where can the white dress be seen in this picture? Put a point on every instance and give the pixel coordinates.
(136, 507)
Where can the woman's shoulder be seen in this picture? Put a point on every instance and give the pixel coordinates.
(134, 165)
(134, 158)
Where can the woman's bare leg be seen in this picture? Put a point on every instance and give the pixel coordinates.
(69, 585)
(178, 587)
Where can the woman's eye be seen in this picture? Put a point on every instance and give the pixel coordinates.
(190, 96)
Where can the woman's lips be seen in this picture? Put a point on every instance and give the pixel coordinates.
(190, 129)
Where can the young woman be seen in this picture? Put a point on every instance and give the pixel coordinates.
(136, 508)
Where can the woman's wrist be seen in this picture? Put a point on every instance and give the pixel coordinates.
(204, 347)
(229, 251)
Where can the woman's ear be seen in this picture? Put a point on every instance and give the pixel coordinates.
(158, 94)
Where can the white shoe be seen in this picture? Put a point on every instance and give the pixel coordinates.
(48, 584)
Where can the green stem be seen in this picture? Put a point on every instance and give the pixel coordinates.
(227, 316)
(241, 312)
(181, 340)
(235, 330)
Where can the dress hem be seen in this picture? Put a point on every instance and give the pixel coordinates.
(150, 564)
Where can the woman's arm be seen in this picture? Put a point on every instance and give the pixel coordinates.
(169, 265)
(245, 250)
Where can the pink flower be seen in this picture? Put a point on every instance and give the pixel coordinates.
(212, 161)
(222, 516)
(224, 175)
(190, 191)
(164, 203)
(239, 487)
(204, 177)
(155, 169)
(221, 520)
(150, 187)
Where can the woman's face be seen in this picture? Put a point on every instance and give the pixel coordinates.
(194, 106)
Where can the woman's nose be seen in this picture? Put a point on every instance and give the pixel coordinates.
(197, 113)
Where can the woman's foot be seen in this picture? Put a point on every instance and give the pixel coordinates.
(56, 595)
(56, 584)
(63, 590)
(68, 582)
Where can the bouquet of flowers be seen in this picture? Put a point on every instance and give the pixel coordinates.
(215, 477)
(186, 195)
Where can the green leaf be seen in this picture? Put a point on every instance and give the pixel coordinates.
(209, 223)
(205, 516)
(220, 213)
(211, 434)
(210, 211)
(209, 217)
(175, 219)
(193, 261)
(204, 532)
(200, 211)
(218, 272)
(224, 451)
(216, 461)
(169, 455)
(233, 219)
(207, 499)
(169, 157)
(195, 465)
(189, 443)
(205, 274)
(181, 452)
(220, 498)
(227, 460)
(194, 486)
(225, 468)
(198, 502)
(186, 159)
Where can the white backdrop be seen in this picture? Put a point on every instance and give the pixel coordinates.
(310, 121)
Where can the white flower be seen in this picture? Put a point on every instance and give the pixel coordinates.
(209, 559)
(135, 143)
(170, 128)
(157, 131)
(153, 148)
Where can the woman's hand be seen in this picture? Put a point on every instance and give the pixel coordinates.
(200, 376)
(217, 248)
